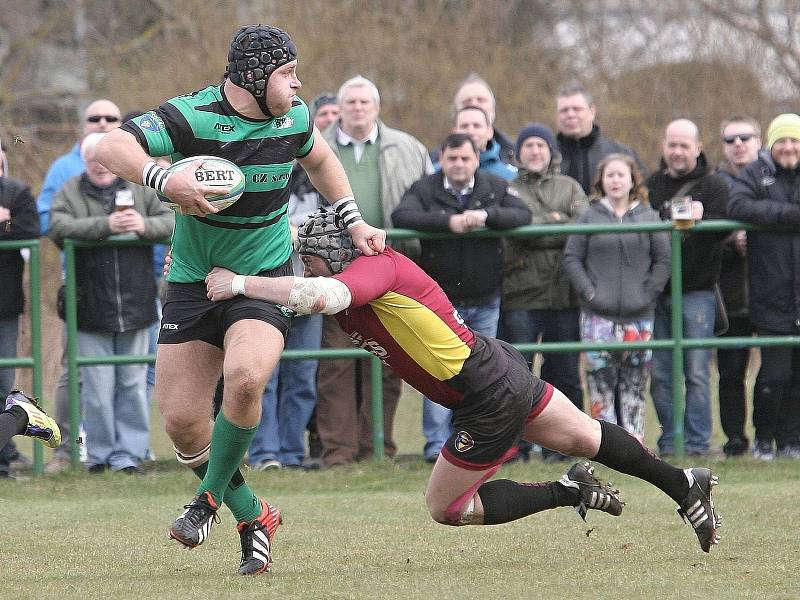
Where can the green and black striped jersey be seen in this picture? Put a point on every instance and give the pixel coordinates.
(251, 235)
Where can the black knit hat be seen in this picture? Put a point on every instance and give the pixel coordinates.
(322, 100)
(539, 130)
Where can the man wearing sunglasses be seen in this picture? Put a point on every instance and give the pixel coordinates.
(741, 142)
(100, 116)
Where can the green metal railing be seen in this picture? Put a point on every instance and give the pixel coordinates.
(75, 361)
(677, 344)
(34, 361)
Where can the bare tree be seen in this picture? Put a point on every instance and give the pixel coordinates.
(773, 24)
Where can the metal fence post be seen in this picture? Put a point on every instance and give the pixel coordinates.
(36, 339)
(71, 323)
(676, 319)
(376, 380)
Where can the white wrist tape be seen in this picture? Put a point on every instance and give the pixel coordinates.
(154, 176)
(237, 285)
(347, 210)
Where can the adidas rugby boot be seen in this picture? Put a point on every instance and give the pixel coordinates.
(592, 492)
(40, 425)
(256, 537)
(193, 526)
(698, 507)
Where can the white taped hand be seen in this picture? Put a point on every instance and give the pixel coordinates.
(318, 295)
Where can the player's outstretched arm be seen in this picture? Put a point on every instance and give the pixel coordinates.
(120, 153)
(304, 295)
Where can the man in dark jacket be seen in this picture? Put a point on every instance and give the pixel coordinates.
(18, 221)
(116, 304)
(580, 142)
(767, 192)
(685, 172)
(741, 141)
(460, 199)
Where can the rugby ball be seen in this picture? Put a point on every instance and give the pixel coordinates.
(214, 172)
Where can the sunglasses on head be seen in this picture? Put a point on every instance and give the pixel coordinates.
(96, 118)
(743, 137)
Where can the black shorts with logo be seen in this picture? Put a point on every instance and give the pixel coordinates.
(189, 315)
(487, 426)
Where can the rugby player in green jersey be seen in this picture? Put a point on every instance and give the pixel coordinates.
(254, 119)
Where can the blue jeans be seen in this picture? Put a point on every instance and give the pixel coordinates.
(436, 419)
(698, 322)
(559, 369)
(289, 399)
(116, 412)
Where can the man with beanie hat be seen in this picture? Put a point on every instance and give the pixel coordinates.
(255, 119)
(767, 192)
(537, 298)
(325, 109)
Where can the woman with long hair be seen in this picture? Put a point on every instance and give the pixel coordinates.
(618, 277)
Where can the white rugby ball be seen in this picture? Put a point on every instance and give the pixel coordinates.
(214, 172)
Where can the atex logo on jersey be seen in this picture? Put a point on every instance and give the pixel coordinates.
(170, 326)
(464, 441)
(283, 123)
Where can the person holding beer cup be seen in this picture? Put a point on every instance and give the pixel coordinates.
(685, 190)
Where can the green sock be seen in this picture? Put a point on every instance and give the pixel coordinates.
(229, 444)
(239, 497)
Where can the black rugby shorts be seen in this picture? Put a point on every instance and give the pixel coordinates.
(488, 427)
(189, 315)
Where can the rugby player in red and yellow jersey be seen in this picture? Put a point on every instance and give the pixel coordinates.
(390, 307)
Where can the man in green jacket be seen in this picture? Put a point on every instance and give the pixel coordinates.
(537, 298)
(381, 163)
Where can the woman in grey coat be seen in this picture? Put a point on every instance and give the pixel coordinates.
(618, 277)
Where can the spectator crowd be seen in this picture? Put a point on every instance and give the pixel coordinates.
(604, 287)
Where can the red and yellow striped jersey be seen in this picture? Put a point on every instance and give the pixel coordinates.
(402, 316)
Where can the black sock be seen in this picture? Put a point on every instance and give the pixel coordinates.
(12, 422)
(505, 500)
(624, 453)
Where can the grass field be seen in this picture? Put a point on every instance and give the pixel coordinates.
(363, 532)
